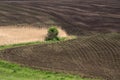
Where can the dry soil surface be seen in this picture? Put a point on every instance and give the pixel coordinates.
(14, 34)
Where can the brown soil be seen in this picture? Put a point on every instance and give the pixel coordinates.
(96, 56)
(76, 17)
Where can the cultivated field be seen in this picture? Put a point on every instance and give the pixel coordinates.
(92, 56)
(96, 51)
(77, 17)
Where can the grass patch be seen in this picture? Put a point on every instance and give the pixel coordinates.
(17, 45)
(25, 44)
(2, 47)
(10, 71)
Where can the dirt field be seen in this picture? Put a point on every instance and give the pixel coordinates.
(76, 17)
(95, 56)
(15, 34)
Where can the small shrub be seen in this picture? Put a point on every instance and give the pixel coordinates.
(52, 34)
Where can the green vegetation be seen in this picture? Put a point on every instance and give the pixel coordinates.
(24, 44)
(52, 34)
(17, 45)
(113, 35)
(2, 47)
(10, 71)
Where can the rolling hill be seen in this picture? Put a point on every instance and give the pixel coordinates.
(76, 17)
(95, 55)
(92, 56)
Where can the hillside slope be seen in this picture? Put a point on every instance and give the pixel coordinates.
(93, 56)
(16, 72)
(75, 16)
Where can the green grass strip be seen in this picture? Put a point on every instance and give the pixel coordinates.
(2, 47)
(11, 71)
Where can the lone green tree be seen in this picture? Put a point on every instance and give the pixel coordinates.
(52, 34)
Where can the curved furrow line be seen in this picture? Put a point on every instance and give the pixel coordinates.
(97, 43)
(4, 15)
(99, 61)
(79, 60)
(81, 54)
(28, 12)
(21, 11)
(66, 15)
(84, 9)
(76, 5)
(92, 63)
(71, 18)
(74, 56)
(62, 46)
(116, 59)
(111, 47)
(75, 53)
(100, 66)
(93, 57)
(115, 51)
(97, 50)
(52, 13)
(108, 9)
(114, 42)
(96, 47)
(84, 52)
(77, 19)
(85, 44)
(32, 11)
(61, 8)
(69, 51)
(93, 53)
(96, 12)
(62, 20)
(75, 11)
(66, 12)
(78, 51)
(103, 60)
(66, 52)
(109, 50)
(84, 49)
(17, 17)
